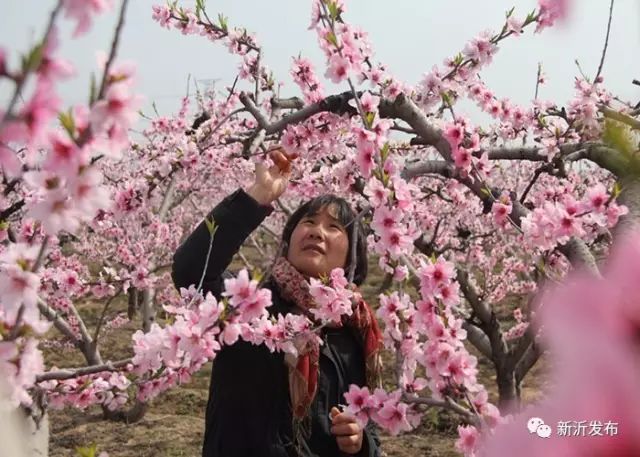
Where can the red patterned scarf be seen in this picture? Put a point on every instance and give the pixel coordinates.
(303, 371)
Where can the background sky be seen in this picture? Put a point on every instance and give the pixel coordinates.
(409, 36)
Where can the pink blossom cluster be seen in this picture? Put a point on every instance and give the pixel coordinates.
(346, 47)
(584, 108)
(551, 11)
(333, 299)
(189, 22)
(514, 118)
(554, 222)
(313, 139)
(394, 236)
(82, 11)
(386, 409)
(108, 389)
(450, 370)
(459, 73)
(303, 74)
(501, 209)
(167, 356)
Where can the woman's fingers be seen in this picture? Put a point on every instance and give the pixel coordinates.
(348, 442)
(283, 159)
(345, 429)
(280, 160)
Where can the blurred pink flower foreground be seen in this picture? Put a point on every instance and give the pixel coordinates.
(592, 327)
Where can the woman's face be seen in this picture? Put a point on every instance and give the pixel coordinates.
(319, 243)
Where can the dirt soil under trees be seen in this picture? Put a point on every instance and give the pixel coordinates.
(173, 425)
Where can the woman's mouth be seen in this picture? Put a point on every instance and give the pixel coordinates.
(313, 248)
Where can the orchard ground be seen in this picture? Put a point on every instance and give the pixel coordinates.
(174, 424)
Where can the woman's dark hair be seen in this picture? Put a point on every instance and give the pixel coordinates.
(346, 216)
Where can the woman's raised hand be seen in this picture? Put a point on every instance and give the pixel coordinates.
(271, 182)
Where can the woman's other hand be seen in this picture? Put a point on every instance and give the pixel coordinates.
(348, 433)
(271, 182)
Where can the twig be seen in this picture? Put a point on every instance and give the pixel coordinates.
(114, 48)
(206, 260)
(16, 326)
(257, 76)
(538, 80)
(22, 79)
(40, 257)
(536, 175)
(96, 334)
(354, 241)
(606, 44)
(233, 88)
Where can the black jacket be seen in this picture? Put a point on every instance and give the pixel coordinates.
(249, 412)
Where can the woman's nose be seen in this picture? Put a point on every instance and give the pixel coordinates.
(315, 232)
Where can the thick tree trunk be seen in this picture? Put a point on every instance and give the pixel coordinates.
(508, 391)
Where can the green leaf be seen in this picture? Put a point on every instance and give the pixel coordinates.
(32, 61)
(86, 451)
(446, 99)
(486, 191)
(385, 179)
(332, 39)
(67, 122)
(199, 7)
(384, 152)
(510, 12)
(458, 59)
(211, 226)
(223, 20)
(616, 190)
(530, 18)
(369, 118)
(334, 11)
(257, 275)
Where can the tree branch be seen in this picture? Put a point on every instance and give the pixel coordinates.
(60, 375)
(478, 339)
(404, 108)
(254, 110)
(58, 321)
(439, 167)
(287, 103)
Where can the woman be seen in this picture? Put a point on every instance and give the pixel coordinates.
(259, 404)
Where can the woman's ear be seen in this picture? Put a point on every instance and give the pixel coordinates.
(284, 249)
